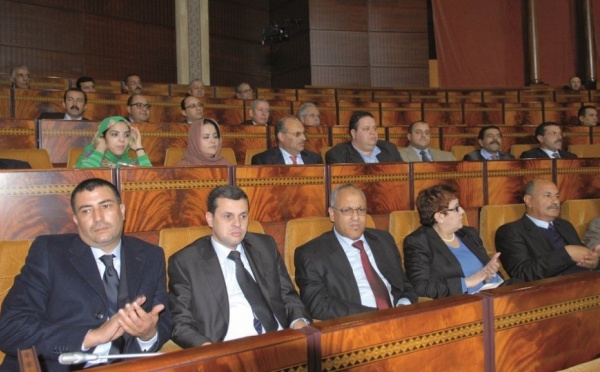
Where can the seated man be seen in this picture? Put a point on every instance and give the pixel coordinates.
(233, 283)
(419, 138)
(549, 135)
(20, 77)
(196, 88)
(259, 113)
(244, 91)
(86, 84)
(289, 132)
(138, 108)
(74, 103)
(351, 269)
(592, 234)
(131, 84)
(96, 292)
(490, 140)
(364, 147)
(588, 116)
(309, 115)
(192, 109)
(574, 84)
(540, 244)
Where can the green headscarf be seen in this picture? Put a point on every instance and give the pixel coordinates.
(110, 160)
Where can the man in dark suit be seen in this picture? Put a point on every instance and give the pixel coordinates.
(490, 140)
(540, 244)
(96, 292)
(231, 284)
(138, 108)
(549, 135)
(291, 138)
(74, 103)
(351, 269)
(364, 147)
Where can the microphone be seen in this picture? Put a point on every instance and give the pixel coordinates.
(79, 357)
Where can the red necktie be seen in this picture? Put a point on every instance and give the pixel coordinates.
(294, 161)
(382, 298)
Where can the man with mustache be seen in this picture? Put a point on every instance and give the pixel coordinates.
(291, 138)
(490, 140)
(540, 244)
(74, 103)
(419, 149)
(549, 135)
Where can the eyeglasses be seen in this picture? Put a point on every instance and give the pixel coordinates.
(194, 105)
(141, 105)
(312, 116)
(296, 134)
(350, 211)
(455, 209)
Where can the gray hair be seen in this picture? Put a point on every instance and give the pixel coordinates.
(334, 193)
(304, 107)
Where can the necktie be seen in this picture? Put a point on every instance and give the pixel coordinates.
(555, 155)
(382, 298)
(555, 239)
(111, 283)
(424, 156)
(252, 293)
(495, 157)
(294, 161)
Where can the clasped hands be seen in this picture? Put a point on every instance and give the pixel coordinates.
(131, 319)
(486, 274)
(586, 258)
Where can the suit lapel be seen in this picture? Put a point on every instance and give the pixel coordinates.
(134, 263)
(277, 156)
(535, 235)
(83, 262)
(438, 244)
(213, 276)
(338, 261)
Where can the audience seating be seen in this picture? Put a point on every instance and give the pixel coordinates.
(37, 158)
(16, 133)
(580, 213)
(586, 151)
(173, 155)
(74, 154)
(250, 153)
(494, 216)
(459, 151)
(517, 150)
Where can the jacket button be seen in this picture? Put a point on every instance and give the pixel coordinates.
(99, 316)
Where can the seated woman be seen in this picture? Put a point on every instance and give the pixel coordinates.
(443, 258)
(111, 144)
(204, 145)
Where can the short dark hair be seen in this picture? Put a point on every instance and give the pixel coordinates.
(131, 97)
(433, 200)
(410, 127)
(183, 101)
(90, 185)
(128, 76)
(280, 125)
(226, 191)
(238, 88)
(484, 129)
(356, 117)
(582, 110)
(75, 90)
(84, 79)
(540, 130)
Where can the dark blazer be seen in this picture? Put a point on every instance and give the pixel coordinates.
(198, 295)
(327, 284)
(274, 156)
(526, 254)
(476, 155)
(346, 153)
(14, 164)
(538, 153)
(59, 297)
(430, 265)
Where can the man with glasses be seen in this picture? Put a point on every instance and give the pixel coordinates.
(490, 140)
(132, 84)
(259, 113)
(192, 109)
(244, 91)
(309, 115)
(196, 88)
(291, 138)
(351, 269)
(20, 77)
(138, 108)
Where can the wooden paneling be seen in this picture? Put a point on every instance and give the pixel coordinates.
(243, 137)
(506, 179)
(578, 178)
(17, 134)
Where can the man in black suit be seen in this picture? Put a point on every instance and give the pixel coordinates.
(540, 244)
(549, 135)
(74, 103)
(210, 292)
(351, 269)
(66, 298)
(138, 108)
(490, 140)
(291, 138)
(364, 147)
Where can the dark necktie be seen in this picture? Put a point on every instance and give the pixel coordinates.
(424, 156)
(555, 239)
(495, 157)
(555, 155)
(382, 297)
(252, 293)
(111, 283)
(294, 161)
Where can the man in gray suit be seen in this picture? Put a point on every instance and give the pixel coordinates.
(419, 137)
(230, 284)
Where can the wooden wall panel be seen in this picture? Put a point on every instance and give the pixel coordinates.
(17, 134)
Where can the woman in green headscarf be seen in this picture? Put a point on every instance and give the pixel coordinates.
(111, 144)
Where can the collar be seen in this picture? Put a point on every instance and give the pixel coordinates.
(539, 223)
(98, 252)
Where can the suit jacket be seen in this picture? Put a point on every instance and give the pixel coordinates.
(274, 156)
(346, 153)
(409, 155)
(592, 234)
(476, 155)
(14, 164)
(538, 153)
(198, 295)
(527, 255)
(432, 268)
(328, 286)
(59, 296)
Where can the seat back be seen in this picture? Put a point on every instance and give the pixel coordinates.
(494, 216)
(229, 155)
(580, 213)
(37, 158)
(517, 150)
(585, 151)
(324, 150)
(302, 230)
(250, 153)
(459, 151)
(174, 155)
(74, 153)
